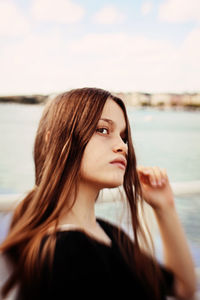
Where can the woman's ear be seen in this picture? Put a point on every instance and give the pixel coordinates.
(47, 136)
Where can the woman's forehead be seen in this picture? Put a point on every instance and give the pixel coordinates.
(113, 113)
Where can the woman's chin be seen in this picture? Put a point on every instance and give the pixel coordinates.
(113, 184)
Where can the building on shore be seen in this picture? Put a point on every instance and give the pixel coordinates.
(188, 100)
(191, 100)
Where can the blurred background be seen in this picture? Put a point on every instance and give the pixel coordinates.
(146, 52)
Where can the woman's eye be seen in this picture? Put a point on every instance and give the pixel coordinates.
(125, 140)
(103, 130)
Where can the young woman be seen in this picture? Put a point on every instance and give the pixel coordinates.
(56, 245)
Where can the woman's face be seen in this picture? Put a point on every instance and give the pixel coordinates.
(104, 159)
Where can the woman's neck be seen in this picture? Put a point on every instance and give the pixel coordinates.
(82, 212)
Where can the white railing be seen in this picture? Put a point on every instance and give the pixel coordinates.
(9, 201)
(184, 188)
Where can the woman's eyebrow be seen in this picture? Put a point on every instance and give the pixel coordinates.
(111, 123)
(107, 120)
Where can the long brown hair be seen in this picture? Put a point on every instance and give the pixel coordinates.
(69, 121)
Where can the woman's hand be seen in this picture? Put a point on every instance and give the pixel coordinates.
(177, 256)
(156, 188)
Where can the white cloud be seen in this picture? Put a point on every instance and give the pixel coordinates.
(115, 61)
(180, 10)
(60, 11)
(122, 46)
(109, 15)
(190, 50)
(12, 21)
(124, 62)
(33, 65)
(146, 8)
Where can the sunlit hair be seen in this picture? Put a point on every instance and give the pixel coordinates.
(66, 126)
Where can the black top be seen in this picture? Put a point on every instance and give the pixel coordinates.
(85, 268)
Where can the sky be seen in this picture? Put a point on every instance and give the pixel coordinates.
(50, 46)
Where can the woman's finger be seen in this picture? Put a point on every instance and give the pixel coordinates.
(158, 175)
(148, 173)
(153, 175)
(164, 175)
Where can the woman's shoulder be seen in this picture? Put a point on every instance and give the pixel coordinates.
(70, 240)
(73, 251)
(76, 252)
(73, 239)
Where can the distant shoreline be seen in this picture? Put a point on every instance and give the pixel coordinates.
(138, 100)
(33, 99)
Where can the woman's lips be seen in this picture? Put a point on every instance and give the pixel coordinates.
(121, 163)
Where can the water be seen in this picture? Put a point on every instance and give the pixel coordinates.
(18, 124)
(169, 139)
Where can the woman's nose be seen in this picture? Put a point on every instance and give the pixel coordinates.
(120, 147)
